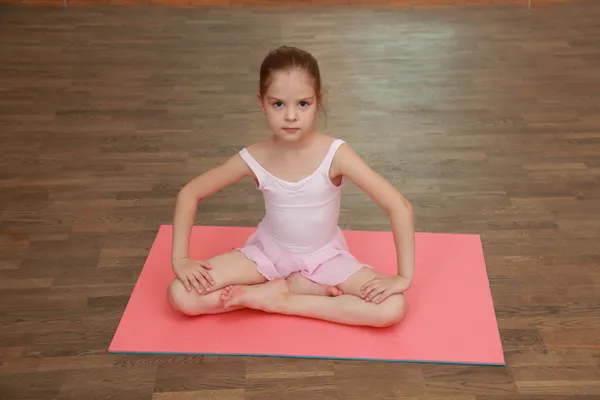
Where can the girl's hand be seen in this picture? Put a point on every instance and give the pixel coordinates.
(193, 273)
(380, 288)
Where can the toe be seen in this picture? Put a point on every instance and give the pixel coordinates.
(225, 292)
(333, 291)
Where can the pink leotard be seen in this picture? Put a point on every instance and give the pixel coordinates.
(300, 231)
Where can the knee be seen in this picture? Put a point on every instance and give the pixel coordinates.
(392, 310)
(179, 298)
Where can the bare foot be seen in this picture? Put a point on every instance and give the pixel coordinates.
(265, 297)
(299, 284)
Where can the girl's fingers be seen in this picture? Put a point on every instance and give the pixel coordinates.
(186, 283)
(204, 264)
(195, 284)
(207, 277)
(202, 280)
(375, 294)
(372, 292)
(368, 288)
(368, 283)
(383, 296)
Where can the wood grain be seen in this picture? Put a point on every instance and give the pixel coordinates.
(484, 116)
(284, 4)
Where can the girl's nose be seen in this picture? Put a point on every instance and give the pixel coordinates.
(290, 115)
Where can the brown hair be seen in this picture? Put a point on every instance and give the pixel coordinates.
(285, 58)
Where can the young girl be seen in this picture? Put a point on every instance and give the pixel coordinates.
(297, 261)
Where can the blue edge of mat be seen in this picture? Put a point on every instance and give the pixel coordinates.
(308, 357)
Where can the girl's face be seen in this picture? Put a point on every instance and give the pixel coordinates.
(290, 105)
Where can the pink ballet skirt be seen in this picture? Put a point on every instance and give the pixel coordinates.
(331, 265)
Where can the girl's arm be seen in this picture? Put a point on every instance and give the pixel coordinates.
(201, 187)
(348, 163)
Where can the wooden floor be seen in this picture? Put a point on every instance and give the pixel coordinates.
(487, 118)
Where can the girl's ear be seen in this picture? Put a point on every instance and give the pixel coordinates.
(260, 104)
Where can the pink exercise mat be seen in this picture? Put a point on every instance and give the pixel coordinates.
(451, 315)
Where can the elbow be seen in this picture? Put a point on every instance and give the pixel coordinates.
(407, 205)
(401, 208)
(186, 195)
(183, 193)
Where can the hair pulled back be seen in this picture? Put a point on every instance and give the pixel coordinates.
(285, 58)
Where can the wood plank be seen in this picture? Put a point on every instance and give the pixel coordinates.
(485, 117)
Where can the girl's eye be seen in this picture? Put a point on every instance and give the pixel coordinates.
(304, 104)
(278, 104)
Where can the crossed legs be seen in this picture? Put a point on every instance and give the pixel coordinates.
(239, 285)
(233, 268)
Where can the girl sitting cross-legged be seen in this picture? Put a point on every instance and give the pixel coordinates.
(297, 261)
